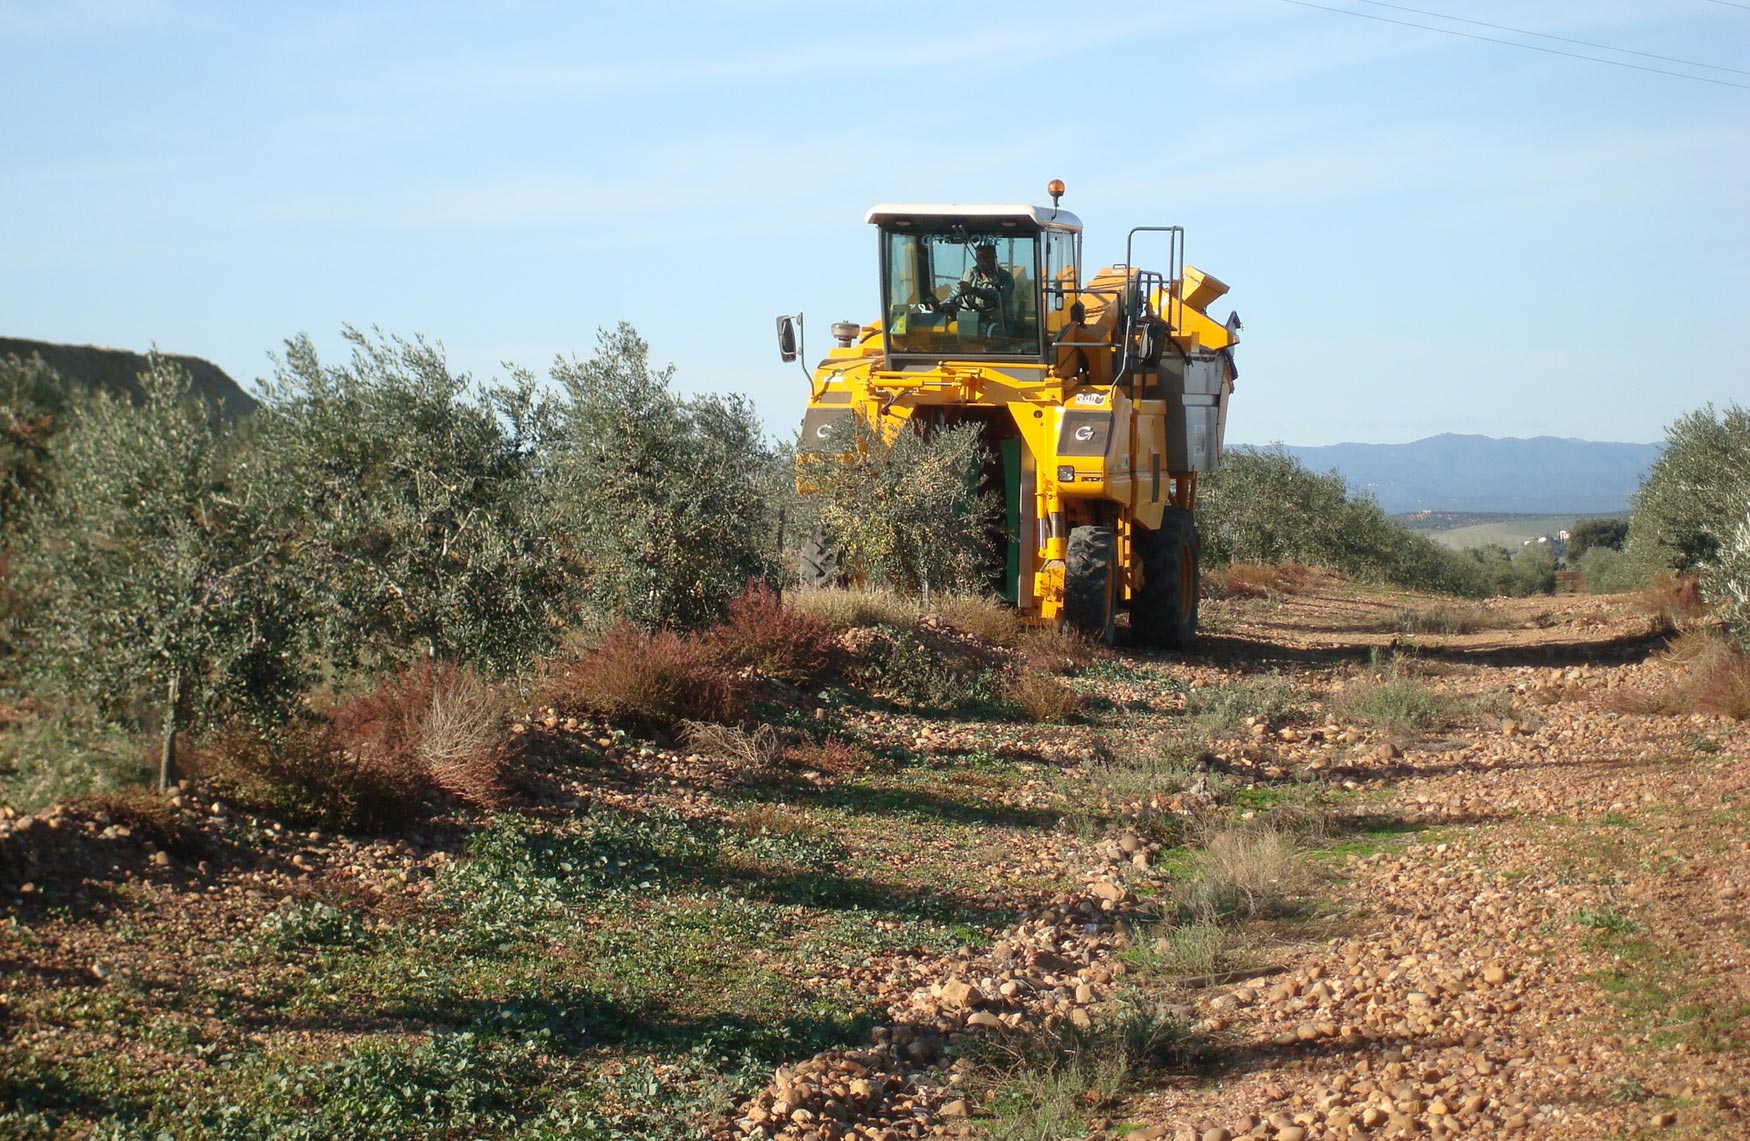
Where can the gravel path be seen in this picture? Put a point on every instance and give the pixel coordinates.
(1562, 954)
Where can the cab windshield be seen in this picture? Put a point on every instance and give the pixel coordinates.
(961, 293)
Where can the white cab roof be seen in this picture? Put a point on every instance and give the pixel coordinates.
(956, 211)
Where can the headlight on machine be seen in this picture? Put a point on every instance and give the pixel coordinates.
(1066, 473)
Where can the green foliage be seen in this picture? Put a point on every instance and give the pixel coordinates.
(1729, 582)
(1695, 493)
(34, 403)
(61, 753)
(907, 511)
(412, 504)
(1609, 571)
(156, 563)
(312, 923)
(1586, 534)
(660, 496)
(1263, 506)
(902, 665)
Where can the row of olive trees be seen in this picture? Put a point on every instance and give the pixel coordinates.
(162, 563)
(1265, 506)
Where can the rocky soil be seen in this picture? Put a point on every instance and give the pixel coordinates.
(1548, 939)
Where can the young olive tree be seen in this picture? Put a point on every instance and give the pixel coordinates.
(159, 572)
(661, 499)
(413, 502)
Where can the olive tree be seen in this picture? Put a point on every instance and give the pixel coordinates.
(412, 499)
(660, 499)
(1694, 494)
(160, 574)
(906, 509)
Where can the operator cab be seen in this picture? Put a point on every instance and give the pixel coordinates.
(975, 282)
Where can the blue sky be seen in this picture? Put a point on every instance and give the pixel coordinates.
(1423, 233)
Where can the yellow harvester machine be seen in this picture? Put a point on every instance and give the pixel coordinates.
(1100, 397)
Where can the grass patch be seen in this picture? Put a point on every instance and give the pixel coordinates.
(988, 619)
(850, 609)
(1657, 989)
(1398, 704)
(1262, 580)
(1242, 873)
(49, 756)
(1187, 950)
(1225, 708)
(1042, 698)
(1444, 619)
(1048, 1086)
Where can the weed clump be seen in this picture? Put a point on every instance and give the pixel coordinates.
(785, 642)
(856, 609)
(1242, 873)
(1047, 649)
(1397, 703)
(1047, 1085)
(1224, 708)
(1671, 599)
(990, 620)
(1714, 677)
(831, 754)
(1041, 698)
(1444, 619)
(647, 681)
(301, 772)
(904, 665)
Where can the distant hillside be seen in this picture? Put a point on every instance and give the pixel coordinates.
(117, 370)
(1543, 475)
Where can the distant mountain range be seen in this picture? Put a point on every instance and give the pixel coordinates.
(1480, 473)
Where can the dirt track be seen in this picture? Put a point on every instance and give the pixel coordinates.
(1563, 954)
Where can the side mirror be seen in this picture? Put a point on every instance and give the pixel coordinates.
(788, 349)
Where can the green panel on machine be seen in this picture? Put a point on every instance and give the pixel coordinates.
(1011, 452)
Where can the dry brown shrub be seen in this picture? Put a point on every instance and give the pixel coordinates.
(301, 772)
(990, 620)
(1715, 679)
(1049, 649)
(147, 815)
(1041, 697)
(831, 754)
(647, 681)
(439, 718)
(754, 749)
(1260, 580)
(780, 641)
(1670, 598)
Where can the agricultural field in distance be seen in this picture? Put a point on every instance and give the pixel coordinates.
(1460, 530)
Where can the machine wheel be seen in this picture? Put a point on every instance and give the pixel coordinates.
(1163, 610)
(822, 565)
(1090, 582)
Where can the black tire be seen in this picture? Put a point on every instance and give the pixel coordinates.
(822, 565)
(1163, 610)
(1090, 583)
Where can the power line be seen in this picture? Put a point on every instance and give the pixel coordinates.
(1733, 4)
(1563, 39)
(1517, 44)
